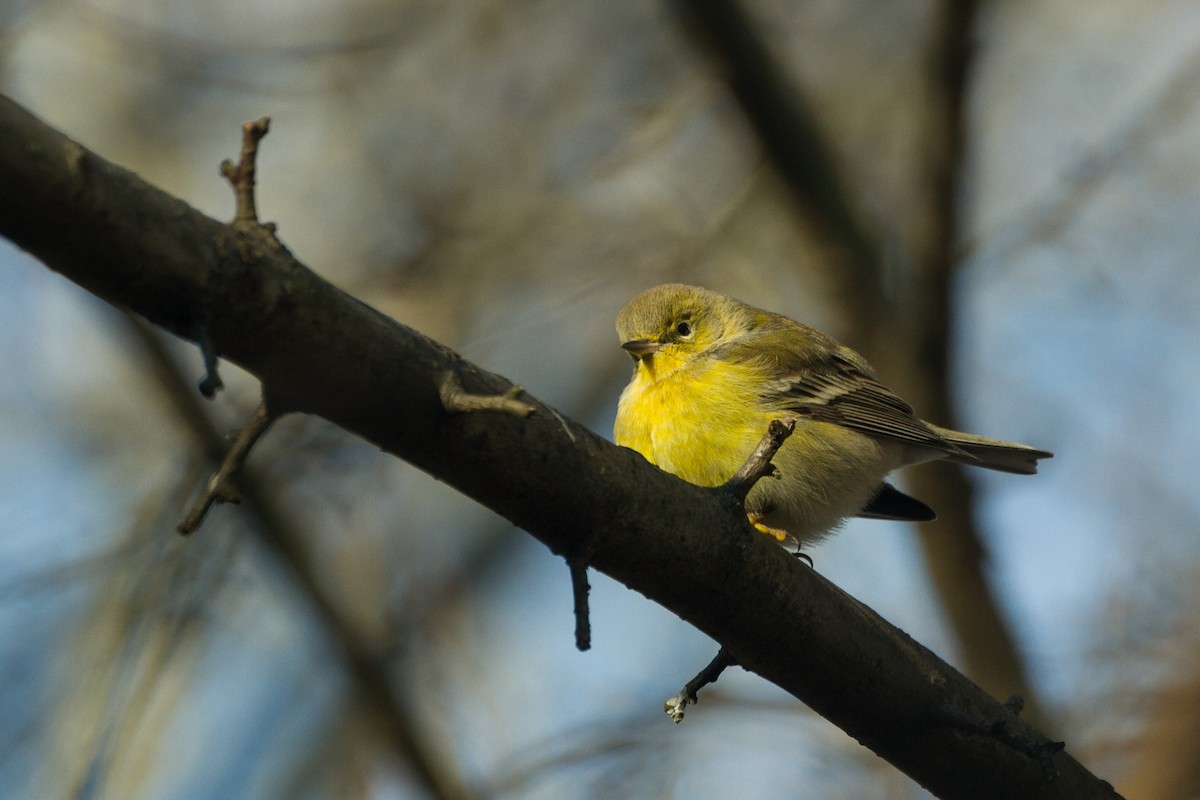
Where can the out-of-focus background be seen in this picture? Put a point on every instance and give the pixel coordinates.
(503, 176)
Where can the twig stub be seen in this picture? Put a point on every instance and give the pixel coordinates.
(457, 400)
(688, 695)
(579, 594)
(241, 176)
(221, 487)
(758, 464)
(211, 383)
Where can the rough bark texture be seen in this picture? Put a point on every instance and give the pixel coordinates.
(320, 351)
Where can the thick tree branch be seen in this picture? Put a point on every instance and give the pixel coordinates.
(320, 351)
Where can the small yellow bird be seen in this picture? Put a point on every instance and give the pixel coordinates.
(711, 372)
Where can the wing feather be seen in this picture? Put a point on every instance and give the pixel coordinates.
(828, 382)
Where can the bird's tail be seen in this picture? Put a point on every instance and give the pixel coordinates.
(980, 451)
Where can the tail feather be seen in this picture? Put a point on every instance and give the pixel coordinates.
(980, 451)
(891, 503)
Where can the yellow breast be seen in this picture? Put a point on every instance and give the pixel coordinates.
(698, 421)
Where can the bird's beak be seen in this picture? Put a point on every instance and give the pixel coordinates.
(640, 348)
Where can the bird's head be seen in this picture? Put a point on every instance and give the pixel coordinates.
(664, 327)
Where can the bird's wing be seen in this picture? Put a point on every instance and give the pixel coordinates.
(815, 377)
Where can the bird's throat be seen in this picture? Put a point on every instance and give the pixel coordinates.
(658, 367)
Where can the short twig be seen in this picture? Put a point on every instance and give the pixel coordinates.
(579, 593)
(221, 488)
(241, 175)
(456, 400)
(758, 465)
(211, 383)
(688, 695)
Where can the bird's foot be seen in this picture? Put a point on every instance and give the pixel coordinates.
(777, 534)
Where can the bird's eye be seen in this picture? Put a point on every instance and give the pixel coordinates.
(684, 328)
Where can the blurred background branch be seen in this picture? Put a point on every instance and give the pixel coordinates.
(364, 664)
(955, 554)
(795, 145)
(905, 319)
